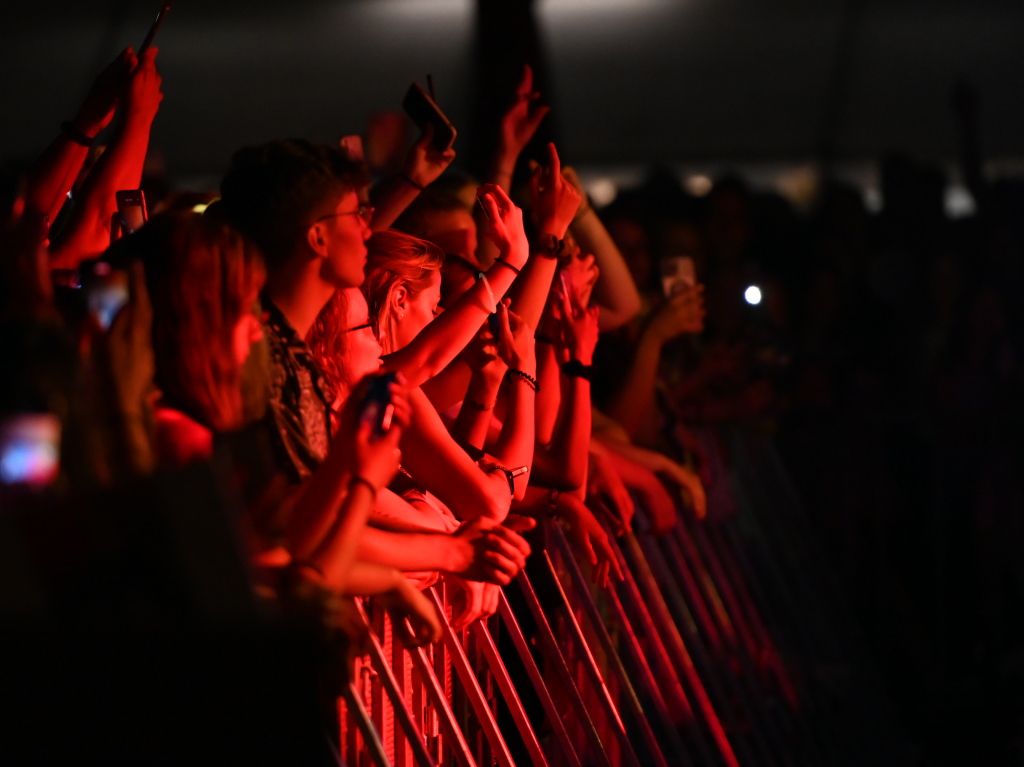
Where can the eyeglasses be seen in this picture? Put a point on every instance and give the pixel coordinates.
(363, 211)
(358, 327)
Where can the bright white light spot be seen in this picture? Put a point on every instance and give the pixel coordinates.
(602, 191)
(699, 185)
(959, 202)
(752, 295)
(200, 207)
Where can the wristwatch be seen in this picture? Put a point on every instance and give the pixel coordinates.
(550, 246)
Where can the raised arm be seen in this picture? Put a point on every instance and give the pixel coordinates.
(88, 231)
(615, 291)
(442, 340)
(424, 165)
(53, 174)
(554, 202)
(682, 313)
(562, 463)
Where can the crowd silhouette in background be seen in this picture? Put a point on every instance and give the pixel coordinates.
(321, 381)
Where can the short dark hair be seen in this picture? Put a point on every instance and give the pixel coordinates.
(270, 191)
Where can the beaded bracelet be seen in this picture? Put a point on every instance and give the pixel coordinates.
(526, 377)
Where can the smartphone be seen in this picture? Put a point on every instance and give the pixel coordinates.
(131, 209)
(423, 111)
(377, 409)
(153, 29)
(677, 274)
(106, 292)
(29, 449)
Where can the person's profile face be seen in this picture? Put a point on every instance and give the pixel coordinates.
(362, 348)
(346, 232)
(418, 312)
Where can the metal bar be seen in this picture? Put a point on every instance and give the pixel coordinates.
(398, 702)
(674, 642)
(536, 678)
(457, 742)
(547, 636)
(618, 668)
(471, 684)
(371, 740)
(508, 691)
(589, 663)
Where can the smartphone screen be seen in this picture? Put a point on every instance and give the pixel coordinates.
(29, 449)
(151, 35)
(106, 292)
(677, 274)
(423, 111)
(131, 208)
(377, 409)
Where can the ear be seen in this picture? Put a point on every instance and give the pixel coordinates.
(399, 297)
(316, 239)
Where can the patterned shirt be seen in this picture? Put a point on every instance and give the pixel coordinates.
(299, 413)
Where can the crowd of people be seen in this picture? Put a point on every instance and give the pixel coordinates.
(359, 384)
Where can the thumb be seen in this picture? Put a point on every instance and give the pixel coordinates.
(519, 523)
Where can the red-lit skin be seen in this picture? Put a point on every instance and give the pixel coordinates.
(615, 293)
(330, 256)
(423, 165)
(88, 230)
(51, 176)
(681, 314)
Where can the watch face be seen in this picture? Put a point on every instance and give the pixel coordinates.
(550, 244)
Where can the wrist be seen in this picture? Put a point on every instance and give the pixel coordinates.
(89, 127)
(553, 227)
(585, 356)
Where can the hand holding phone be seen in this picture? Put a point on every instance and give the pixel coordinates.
(377, 409)
(160, 16)
(131, 209)
(424, 111)
(677, 274)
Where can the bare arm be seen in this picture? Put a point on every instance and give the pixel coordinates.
(615, 291)
(88, 231)
(442, 340)
(52, 175)
(423, 166)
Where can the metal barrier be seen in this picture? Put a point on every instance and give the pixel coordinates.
(688, 660)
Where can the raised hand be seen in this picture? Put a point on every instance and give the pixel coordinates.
(579, 325)
(98, 108)
(689, 481)
(504, 224)
(553, 198)
(129, 346)
(520, 122)
(569, 173)
(516, 342)
(424, 163)
(143, 94)
(682, 313)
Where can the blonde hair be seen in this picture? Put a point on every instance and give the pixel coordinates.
(396, 260)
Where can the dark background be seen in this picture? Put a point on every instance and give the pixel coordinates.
(632, 82)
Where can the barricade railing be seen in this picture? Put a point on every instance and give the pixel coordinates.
(685, 661)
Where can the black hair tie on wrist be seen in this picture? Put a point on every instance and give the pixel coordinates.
(503, 262)
(69, 130)
(576, 369)
(409, 181)
(530, 380)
